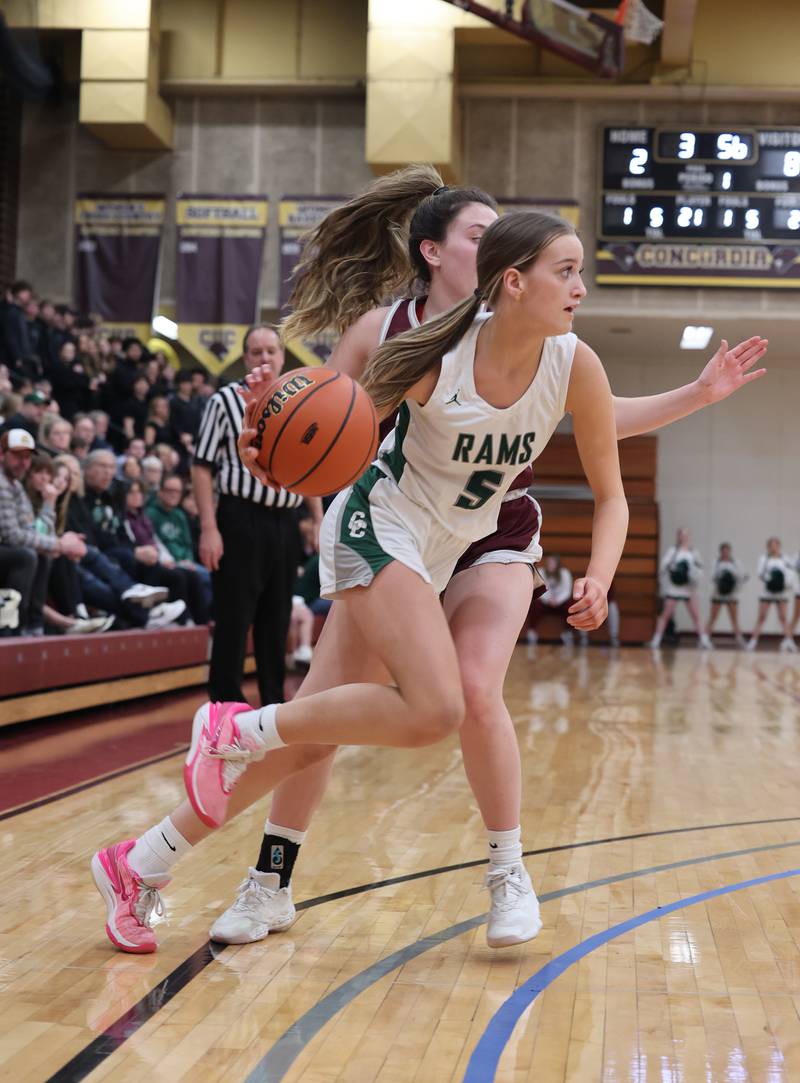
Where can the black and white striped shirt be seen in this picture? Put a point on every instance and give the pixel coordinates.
(216, 449)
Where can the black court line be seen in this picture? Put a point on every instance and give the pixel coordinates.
(81, 786)
(101, 1047)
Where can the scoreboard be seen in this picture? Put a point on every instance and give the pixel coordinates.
(700, 206)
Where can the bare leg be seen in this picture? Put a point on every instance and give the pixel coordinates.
(796, 614)
(783, 617)
(486, 608)
(712, 620)
(663, 620)
(733, 613)
(763, 609)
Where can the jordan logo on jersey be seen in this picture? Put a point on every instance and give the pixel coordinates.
(494, 450)
(455, 399)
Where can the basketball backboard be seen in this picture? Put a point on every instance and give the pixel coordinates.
(585, 38)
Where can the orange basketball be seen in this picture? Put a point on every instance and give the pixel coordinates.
(317, 431)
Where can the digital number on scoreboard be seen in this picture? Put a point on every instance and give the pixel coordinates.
(700, 206)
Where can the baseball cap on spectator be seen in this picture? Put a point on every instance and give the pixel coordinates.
(37, 397)
(17, 440)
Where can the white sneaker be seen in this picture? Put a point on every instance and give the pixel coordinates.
(788, 645)
(751, 644)
(86, 625)
(514, 914)
(302, 656)
(145, 596)
(164, 614)
(261, 907)
(704, 643)
(654, 643)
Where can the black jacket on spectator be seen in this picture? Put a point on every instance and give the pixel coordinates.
(14, 335)
(70, 388)
(95, 515)
(136, 409)
(183, 417)
(19, 421)
(118, 388)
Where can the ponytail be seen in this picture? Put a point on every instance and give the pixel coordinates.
(357, 256)
(399, 363)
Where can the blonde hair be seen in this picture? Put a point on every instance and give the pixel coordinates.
(516, 240)
(357, 256)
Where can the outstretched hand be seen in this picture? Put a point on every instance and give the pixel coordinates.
(728, 370)
(255, 383)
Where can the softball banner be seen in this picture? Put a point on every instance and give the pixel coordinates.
(220, 242)
(296, 216)
(117, 253)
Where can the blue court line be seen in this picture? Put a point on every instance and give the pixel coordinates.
(274, 1065)
(486, 1055)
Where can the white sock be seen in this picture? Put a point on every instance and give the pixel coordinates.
(260, 727)
(505, 848)
(156, 852)
(297, 837)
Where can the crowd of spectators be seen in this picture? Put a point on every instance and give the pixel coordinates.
(98, 525)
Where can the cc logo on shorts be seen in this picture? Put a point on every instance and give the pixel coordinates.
(357, 526)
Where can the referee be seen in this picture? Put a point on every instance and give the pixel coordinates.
(249, 542)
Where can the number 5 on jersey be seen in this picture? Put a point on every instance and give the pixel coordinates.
(480, 486)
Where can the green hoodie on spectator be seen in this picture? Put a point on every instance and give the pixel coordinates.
(173, 529)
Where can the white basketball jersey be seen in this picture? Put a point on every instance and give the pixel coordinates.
(458, 455)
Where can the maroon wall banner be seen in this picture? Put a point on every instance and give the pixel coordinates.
(220, 243)
(117, 251)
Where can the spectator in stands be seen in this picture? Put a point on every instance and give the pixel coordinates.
(189, 505)
(133, 578)
(776, 574)
(71, 385)
(30, 413)
(168, 456)
(15, 342)
(157, 427)
(62, 330)
(55, 434)
(185, 581)
(131, 469)
(41, 332)
(79, 448)
(184, 415)
(135, 449)
(84, 428)
(173, 530)
(556, 599)
(681, 568)
(44, 484)
(134, 410)
(152, 473)
(25, 552)
(101, 421)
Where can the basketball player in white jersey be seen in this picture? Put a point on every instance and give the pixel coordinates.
(479, 394)
(486, 621)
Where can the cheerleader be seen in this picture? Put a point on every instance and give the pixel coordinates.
(681, 567)
(728, 579)
(777, 587)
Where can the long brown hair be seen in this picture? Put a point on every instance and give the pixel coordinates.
(367, 251)
(516, 240)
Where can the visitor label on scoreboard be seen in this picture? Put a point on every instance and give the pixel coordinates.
(704, 206)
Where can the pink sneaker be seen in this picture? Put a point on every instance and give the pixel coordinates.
(130, 903)
(216, 760)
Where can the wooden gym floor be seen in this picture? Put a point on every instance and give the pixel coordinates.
(662, 815)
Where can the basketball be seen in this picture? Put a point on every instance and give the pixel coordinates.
(317, 431)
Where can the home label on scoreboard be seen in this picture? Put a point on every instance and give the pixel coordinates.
(700, 206)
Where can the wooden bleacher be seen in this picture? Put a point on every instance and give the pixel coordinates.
(561, 488)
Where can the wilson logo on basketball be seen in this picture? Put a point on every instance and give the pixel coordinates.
(273, 406)
(310, 433)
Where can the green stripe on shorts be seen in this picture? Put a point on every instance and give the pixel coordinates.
(356, 531)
